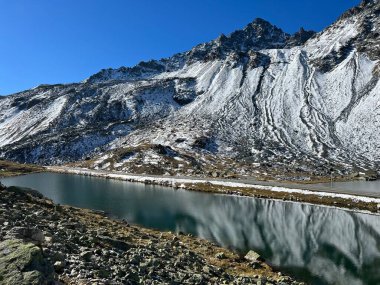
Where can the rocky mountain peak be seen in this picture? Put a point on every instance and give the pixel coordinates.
(261, 26)
(257, 35)
(364, 6)
(299, 38)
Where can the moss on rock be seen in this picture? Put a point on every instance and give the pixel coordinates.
(23, 263)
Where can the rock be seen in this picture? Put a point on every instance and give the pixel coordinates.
(58, 256)
(59, 266)
(368, 175)
(86, 255)
(206, 269)
(98, 251)
(24, 190)
(220, 255)
(215, 174)
(23, 263)
(103, 273)
(261, 281)
(27, 234)
(255, 265)
(354, 175)
(252, 256)
(114, 242)
(49, 239)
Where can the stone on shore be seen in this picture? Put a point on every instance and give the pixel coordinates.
(27, 234)
(23, 264)
(252, 256)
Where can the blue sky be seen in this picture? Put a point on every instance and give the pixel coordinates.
(61, 41)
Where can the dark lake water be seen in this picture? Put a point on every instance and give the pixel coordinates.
(320, 245)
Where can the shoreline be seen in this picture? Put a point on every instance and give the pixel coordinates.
(11, 169)
(81, 246)
(336, 200)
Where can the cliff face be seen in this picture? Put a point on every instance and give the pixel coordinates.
(258, 95)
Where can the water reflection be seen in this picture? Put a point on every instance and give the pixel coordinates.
(321, 245)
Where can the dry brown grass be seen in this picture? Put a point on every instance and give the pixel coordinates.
(8, 168)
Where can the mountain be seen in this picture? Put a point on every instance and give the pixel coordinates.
(258, 101)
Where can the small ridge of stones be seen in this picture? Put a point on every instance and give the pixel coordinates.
(71, 250)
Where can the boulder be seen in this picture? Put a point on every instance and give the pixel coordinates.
(23, 263)
(119, 244)
(220, 255)
(215, 174)
(27, 234)
(59, 266)
(86, 256)
(25, 190)
(252, 256)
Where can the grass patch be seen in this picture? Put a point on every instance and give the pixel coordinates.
(9, 168)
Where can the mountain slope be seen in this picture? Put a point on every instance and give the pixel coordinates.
(257, 100)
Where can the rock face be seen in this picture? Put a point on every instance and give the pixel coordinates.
(258, 95)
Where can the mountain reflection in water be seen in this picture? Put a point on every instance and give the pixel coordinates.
(320, 245)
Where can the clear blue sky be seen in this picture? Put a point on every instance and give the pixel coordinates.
(61, 41)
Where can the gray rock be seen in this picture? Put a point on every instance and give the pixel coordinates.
(27, 234)
(23, 263)
(24, 190)
(220, 255)
(86, 255)
(252, 256)
(59, 266)
(114, 242)
(215, 174)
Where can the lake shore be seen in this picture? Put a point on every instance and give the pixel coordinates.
(339, 200)
(9, 168)
(299, 192)
(80, 246)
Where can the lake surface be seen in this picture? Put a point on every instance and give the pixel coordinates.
(356, 187)
(320, 245)
(365, 188)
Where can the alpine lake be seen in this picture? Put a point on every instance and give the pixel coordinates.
(315, 244)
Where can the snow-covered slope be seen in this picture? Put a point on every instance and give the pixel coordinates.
(256, 97)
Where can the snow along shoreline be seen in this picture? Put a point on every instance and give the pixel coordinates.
(185, 182)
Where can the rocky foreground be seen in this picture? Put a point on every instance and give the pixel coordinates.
(45, 243)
